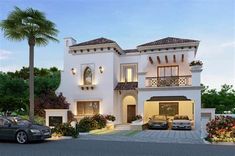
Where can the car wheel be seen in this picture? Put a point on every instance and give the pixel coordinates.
(21, 137)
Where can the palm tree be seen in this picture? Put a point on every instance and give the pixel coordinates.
(30, 25)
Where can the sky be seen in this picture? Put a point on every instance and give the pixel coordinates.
(131, 23)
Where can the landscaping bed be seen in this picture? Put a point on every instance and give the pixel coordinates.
(221, 130)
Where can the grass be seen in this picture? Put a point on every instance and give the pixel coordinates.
(132, 133)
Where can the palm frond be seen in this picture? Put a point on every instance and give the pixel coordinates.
(24, 24)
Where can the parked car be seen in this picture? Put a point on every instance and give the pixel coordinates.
(158, 122)
(181, 122)
(22, 131)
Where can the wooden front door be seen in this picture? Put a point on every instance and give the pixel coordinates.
(130, 113)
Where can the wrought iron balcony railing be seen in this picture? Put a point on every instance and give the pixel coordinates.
(185, 80)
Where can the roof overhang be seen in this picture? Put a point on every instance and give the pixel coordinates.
(169, 98)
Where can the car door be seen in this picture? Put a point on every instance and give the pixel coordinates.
(7, 130)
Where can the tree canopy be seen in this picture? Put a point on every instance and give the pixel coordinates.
(223, 100)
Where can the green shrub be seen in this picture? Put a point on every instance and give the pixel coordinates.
(37, 119)
(87, 124)
(65, 129)
(110, 117)
(100, 119)
(137, 117)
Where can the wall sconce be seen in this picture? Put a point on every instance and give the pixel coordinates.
(101, 69)
(73, 70)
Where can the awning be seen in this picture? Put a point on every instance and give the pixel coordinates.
(168, 98)
(126, 86)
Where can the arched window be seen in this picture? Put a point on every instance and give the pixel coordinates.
(87, 76)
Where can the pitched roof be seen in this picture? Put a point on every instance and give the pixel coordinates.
(168, 40)
(100, 40)
(168, 98)
(126, 86)
(130, 50)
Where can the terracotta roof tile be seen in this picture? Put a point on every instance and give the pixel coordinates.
(94, 42)
(168, 98)
(168, 40)
(126, 86)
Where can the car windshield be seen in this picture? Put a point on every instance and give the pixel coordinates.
(156, 117)
(181, 118)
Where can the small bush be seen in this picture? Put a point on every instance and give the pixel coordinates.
(65, 129)
(110, 117)
(137, 117)
(221, 129)
(101, 121)
(37, 119)
(70, 116)
(87, 124)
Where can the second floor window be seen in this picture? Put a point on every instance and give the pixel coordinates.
(128, 72)
(165, 71)
(87, 76)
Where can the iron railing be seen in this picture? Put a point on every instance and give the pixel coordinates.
(185, 80)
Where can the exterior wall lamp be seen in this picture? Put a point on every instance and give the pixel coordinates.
(101, 69)
(73, 70)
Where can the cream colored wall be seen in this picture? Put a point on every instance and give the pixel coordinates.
(152, 108)
(128, 100)
(186, 108)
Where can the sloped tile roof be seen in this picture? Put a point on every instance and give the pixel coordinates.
(130, 50)
(100, 40)
(126, 86)
(168, 40)
(168, 98)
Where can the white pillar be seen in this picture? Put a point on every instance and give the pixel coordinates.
(196, 75)
(140, 106)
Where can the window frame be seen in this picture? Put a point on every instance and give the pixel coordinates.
(164, 67)
(84, 75)
(123, 71)
(88, 103)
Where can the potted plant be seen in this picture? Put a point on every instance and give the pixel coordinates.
(137, 119)
(110, 118)
(197, 64)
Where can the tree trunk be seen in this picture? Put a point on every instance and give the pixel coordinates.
(31, 79)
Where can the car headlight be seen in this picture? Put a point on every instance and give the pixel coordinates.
(35, 131)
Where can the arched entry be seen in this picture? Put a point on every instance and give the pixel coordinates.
(128, 108)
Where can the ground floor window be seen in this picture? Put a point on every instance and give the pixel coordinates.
(168, 108)
(87, 108)
(55, 120)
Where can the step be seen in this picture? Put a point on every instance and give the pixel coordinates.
(122, 127)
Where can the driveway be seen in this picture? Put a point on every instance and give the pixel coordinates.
(158, 136)
(77, 147)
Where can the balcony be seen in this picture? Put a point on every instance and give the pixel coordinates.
(169, 81)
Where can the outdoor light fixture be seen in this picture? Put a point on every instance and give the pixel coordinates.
(73, 70)
(101, 69)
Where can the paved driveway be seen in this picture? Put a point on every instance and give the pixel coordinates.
(158, 136)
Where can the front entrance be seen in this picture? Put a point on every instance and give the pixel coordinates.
(131, 112)
(128, 109)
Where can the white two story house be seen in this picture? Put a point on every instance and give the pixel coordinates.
(155, 78)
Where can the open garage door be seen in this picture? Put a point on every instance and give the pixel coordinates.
(169, 106)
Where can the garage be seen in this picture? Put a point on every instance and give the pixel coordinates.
(169, 106)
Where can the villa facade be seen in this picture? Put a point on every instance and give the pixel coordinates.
(155, 78)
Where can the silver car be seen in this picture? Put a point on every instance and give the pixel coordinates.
(181, 122)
